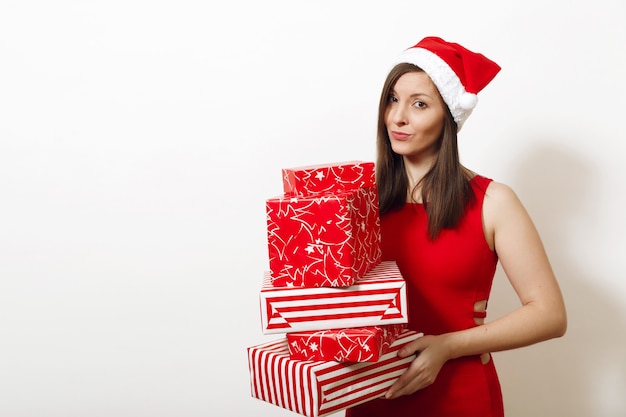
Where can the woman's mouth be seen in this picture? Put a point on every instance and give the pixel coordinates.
(399, 135)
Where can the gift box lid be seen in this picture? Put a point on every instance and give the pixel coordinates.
(328, 177)
(377, 298)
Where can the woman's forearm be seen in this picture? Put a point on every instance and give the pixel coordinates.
(529, 324)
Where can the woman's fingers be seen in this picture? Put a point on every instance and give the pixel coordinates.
(413, 347)
(415, 378)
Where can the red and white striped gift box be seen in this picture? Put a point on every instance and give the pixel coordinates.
(316, 389)
(377, 298)
(328, 178)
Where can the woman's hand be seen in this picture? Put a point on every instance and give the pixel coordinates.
(432, 353)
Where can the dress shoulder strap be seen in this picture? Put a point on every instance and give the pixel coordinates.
(479, 185)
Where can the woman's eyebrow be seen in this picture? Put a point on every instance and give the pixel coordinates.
(416, 95)
(413, 95)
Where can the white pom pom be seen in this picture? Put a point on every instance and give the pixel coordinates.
(468, 101)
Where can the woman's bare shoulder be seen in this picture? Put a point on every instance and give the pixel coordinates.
(503, 210)
(500, 193)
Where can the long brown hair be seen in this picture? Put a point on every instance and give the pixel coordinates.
(445, 187)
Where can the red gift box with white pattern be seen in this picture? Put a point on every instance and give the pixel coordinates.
(324, 240)
(328, 178)
(361, 344)
(317, 389)
(378, 298)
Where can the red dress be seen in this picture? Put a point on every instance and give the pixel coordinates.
(445, 277)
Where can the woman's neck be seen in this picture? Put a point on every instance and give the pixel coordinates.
(416, 170)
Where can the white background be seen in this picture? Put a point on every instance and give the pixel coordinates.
(140, 139)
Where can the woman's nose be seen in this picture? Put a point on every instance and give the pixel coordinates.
(398, 115)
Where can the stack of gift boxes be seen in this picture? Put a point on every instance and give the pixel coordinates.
(341, 309)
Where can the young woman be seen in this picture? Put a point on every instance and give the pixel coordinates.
(447, 227)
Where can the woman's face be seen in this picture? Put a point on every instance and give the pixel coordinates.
(414, 116)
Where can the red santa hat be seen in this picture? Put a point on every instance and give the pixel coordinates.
(458, 73)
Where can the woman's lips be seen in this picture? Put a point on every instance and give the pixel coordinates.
(399, 135)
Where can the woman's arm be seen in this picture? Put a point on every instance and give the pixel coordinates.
(541, 316)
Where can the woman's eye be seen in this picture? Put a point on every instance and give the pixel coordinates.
(393, 99)
(419, 104)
